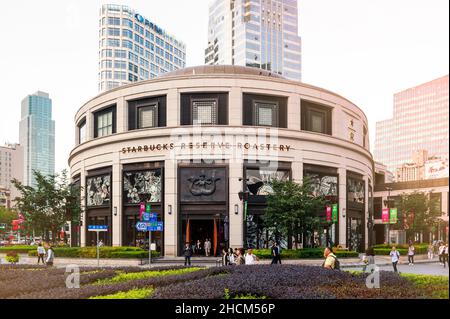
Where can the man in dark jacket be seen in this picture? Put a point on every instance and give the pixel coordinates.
(187, 254)
(276, 254)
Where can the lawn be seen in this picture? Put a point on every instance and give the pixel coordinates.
(232, 282)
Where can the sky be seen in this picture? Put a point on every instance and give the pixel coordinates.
(364, 50)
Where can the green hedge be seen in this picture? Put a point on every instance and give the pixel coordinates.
(403, 249)
(313, 253)
(105, 252)
(22, 249)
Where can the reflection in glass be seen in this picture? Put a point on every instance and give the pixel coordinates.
(260, 181)
(98, 190)
(142, 185)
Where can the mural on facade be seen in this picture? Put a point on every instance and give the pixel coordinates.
(355, 191)
(324, 185)
(142, 186)
(98, 191)
(260, 181)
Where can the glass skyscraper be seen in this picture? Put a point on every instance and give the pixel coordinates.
(420, 122)
(37, 136)
(132, 48)
(255, 33)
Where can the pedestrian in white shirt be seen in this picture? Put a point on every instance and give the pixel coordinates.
(445, 258)
(395, 257)
(41, 253)
(441, 254)
(50, 256)
(250, 258)
(411, 253)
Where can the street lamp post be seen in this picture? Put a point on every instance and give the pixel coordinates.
(389, 210)
(243, 196)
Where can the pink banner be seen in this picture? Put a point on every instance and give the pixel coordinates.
(385, 215)
(141, 210)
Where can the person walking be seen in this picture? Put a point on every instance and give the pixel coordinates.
(441, 253)
(395, 258)
(198, 247)
(41, 253)
(207, 247)
(411, 253)
(225, 258)
(430, 251)
(250, 258)
(276, 253)
(50, 256)
(231, 257)
(240, 260)
(187, 254)
(331, 261)
(445, 255)
(370, 258)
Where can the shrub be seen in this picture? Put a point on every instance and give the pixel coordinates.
(20, 249)
(316, 253)
(105, 252)
(122, 277)
(131, 294)
(434, 286)
(420, 248)
(12, 257)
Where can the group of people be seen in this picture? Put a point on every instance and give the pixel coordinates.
(238, 256)
(199, 248)
(46, 256)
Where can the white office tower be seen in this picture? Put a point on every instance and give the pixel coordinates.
(256, 33)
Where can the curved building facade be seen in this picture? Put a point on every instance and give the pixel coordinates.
(190, 141)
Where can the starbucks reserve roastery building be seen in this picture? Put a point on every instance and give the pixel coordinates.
(190, 141)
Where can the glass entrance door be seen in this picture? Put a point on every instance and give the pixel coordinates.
(197, 230)
(355, 234)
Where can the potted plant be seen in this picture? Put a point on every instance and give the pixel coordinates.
(12, 257)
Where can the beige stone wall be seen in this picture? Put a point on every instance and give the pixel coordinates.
(337, 151)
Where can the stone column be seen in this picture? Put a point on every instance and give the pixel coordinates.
(236, 225)
(235, 108)
(342, 206)
(83, 206)
(294, 111)
(122, 115)
(366, 210)
(117, 221)
(173, 108)
(170, 198)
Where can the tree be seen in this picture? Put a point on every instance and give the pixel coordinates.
(292, 209)
(49, 205)
(7, 216)
(418, 213)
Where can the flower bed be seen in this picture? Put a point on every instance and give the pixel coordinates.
(232, 282)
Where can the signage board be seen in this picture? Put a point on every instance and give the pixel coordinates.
(99, 228)
(141, 226)
(334, 213)
(393, 216)
(146, 217)
(159, 226)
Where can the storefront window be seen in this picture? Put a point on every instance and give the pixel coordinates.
(98, 191)
(355, 191)
(142, 186)
(260, 180)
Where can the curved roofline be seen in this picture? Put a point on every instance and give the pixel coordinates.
(220, 70)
